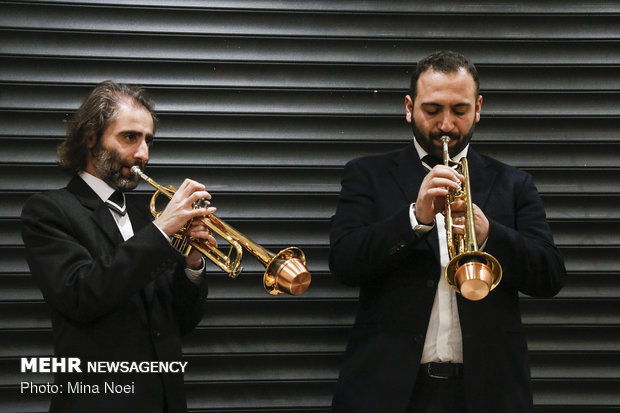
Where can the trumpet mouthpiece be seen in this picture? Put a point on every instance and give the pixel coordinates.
(136, 170)
(445, 139)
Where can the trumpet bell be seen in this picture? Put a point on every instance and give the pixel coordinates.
(473, 274)
(287, 272)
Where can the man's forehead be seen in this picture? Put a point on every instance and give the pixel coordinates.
(433, 84)
(436, 76)
(132, 117)
(127, 103)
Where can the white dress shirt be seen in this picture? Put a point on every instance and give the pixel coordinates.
(104, 191)
(444, 341)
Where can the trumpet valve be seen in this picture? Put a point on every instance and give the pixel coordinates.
(201, 203)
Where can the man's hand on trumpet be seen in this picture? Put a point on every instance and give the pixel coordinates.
(432, 200)
(198, 230)
(184, 206)
(481, 223)
(433, 190)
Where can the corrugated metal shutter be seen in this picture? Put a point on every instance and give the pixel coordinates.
(264, 102)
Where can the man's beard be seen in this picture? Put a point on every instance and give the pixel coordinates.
(108, 163)
(426, 142)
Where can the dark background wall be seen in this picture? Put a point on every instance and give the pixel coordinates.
(264, 102)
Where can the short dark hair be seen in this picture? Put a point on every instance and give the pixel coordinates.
(97, 112)
(445, 61)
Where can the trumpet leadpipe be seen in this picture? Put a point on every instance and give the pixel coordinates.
(166, 190)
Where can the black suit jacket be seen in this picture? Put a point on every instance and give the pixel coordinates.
(110, 300)
(374, 247)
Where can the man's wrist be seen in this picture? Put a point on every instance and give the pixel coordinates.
(429, 224)
(162, 232)
(419, 228)
(195, 275)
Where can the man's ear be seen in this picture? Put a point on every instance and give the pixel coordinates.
(478, 107)
(408, 108)
(91, 141)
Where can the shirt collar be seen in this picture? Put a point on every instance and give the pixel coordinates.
(422, 153)
(102, 189)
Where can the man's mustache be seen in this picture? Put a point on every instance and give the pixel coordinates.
(452, 135)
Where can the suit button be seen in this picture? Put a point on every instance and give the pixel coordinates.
(157, 333)
(430, 283)
(397, 248)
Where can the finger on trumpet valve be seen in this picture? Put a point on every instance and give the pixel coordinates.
(458, 224)
(201, 203)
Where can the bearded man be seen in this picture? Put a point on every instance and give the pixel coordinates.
(417, 345)
(117, 289)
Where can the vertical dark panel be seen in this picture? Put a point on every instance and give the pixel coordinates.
(264, 101)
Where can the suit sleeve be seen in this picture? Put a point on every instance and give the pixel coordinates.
(530, 260)
(80, 284)
(362, 245)
(189, 300)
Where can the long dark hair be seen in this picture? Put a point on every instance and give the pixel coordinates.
(97, 112)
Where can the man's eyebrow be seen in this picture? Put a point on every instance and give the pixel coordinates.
(131, 132)
(461, 104)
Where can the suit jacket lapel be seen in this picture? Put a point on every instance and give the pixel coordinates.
(101, 214)
(105, 222)
(138, 214)
(409, 174)
(481, 178)
(139, 218)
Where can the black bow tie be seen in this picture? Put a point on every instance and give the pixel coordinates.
(430, 162)
(116, 202)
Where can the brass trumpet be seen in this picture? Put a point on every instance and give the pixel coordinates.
(284, 272)
(471, 272)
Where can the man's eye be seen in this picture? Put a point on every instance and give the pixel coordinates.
(432, 112)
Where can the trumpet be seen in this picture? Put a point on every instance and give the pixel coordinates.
(471, 272)
(284, 272)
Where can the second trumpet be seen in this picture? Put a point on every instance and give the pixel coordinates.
(471, 272)
(285, 272)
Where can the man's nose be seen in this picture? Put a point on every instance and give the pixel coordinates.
(142, 153)
(446, 124)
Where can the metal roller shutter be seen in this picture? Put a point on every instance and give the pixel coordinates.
(264, 101)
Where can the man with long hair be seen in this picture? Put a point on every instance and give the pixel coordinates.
(117, 289)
